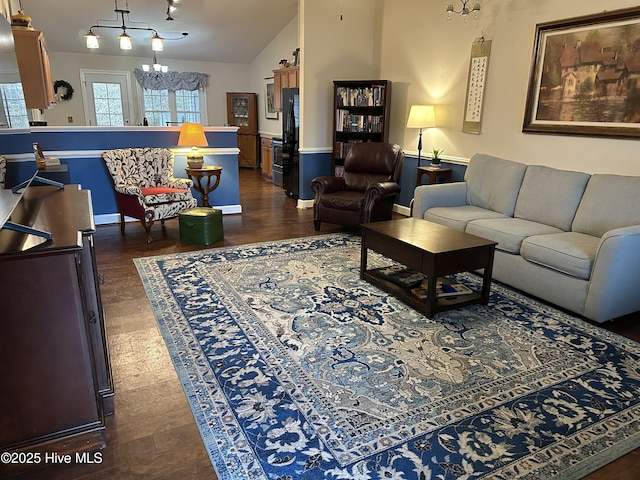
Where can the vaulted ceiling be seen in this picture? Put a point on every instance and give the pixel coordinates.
(232, 31)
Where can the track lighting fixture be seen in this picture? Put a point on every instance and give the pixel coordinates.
(124, 38)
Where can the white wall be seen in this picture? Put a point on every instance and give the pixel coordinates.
(427, 58)
(263, 66)
(332, 49)
(222, 78)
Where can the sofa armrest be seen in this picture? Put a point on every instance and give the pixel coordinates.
(438, 195)
(327, 184)
(615, 283)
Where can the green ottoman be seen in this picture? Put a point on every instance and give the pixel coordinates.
(201, 225)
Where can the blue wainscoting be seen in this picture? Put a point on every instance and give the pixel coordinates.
(312, 165)
(81, 149)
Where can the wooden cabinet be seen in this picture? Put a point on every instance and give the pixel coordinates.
(54, 360)
(284, 78)
(266, 156)
(361, 114)
(242, 112)
(34, 68)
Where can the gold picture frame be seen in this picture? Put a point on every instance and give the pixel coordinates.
(583, 80)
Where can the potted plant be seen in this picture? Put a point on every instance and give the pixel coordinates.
(435, 156)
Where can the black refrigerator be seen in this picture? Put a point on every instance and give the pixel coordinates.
(290, 142)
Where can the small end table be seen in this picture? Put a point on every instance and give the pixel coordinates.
(433, 173)
(202, 180)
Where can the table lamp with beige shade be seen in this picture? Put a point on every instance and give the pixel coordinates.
(192, 135)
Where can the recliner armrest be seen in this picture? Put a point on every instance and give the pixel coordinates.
(382, 190)
(327, 184)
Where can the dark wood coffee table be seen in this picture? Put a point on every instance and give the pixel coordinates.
(432, 249)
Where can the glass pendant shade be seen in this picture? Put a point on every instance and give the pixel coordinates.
(156, 43)
(125, 41)
(165, 68)
(92, 40)
(145, 67)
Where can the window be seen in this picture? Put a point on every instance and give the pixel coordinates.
(163, 107)
(13, 106)
(156, 107)
(107, 98)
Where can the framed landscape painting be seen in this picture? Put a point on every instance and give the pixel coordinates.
(270, 98)
(585, 76)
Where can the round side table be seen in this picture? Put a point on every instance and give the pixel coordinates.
(202, 179)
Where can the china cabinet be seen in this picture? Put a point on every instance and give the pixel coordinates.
(242, 112)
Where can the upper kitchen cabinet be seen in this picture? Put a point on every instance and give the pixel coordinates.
(34, 67)
(284, 78)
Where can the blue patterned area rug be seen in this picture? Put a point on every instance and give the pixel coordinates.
(297, 369)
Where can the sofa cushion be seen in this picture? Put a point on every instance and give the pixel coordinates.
(567, 252)
(458, 217)
(343, 200)
(609, 201)
(508, 232)
(158, 195)
(493, 183)
(550, 196)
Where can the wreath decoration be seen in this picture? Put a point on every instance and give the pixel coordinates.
(68, 95)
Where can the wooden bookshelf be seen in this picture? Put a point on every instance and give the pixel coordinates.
(361, 114)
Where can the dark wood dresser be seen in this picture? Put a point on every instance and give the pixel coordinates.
(54, 361)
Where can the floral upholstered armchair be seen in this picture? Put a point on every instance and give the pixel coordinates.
(3, 170)
(145, 187)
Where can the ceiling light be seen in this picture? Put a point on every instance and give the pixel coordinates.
(125, 39)
(92, 40)
(156, 43)
(464, 10)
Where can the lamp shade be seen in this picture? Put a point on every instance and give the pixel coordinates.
(422, 116)
(192, 135)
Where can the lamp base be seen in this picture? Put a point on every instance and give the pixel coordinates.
(195, 160)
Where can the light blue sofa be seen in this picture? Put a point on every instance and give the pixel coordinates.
(569, 238)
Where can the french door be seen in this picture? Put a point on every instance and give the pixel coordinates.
(107, 97)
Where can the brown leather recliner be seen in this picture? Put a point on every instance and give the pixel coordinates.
(367, 190)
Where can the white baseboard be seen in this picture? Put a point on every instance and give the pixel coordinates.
(402, 210)
(302, 204)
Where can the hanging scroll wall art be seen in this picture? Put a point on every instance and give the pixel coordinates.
(478, 68)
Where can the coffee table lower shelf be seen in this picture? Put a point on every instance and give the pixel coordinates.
(403, 293)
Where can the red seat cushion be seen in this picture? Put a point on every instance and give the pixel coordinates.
(160, 190)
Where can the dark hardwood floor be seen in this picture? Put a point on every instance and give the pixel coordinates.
(152, 434)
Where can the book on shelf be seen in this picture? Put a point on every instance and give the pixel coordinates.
(370, 96)
(402, 275)
(443, 290)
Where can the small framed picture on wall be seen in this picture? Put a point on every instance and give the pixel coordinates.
(270, 99)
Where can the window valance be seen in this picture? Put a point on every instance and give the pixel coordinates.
(171, 81)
